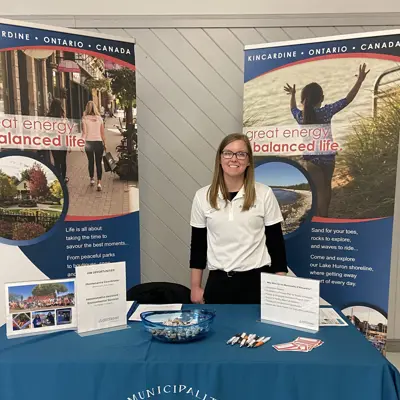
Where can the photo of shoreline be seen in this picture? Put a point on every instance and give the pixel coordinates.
(295, 204)
(291, 189)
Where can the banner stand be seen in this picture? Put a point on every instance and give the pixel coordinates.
(60, 210)
(322, 117)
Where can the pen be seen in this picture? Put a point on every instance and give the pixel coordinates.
(234, 341)
(252, 342)
(233, 337)
(255, 340)
(251, 337)
(261, 342)
(240, 338)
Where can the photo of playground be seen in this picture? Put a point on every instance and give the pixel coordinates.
(99, 98)
(41, 296)
(31, 198)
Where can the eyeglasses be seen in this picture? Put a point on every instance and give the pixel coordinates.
(240, 155)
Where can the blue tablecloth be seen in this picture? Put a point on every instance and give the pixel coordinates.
(128, 364)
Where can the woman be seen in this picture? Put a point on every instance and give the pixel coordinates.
(93, 133)
(236, 230)
(321, 167)
(59, 156)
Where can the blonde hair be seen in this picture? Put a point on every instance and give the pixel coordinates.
(218, 182)
(91, 109)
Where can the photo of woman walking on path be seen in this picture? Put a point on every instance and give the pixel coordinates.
(321, 166)
(93, 133)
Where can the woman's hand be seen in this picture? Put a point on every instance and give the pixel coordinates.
(196, 295)
(362, 73)
(291, 90)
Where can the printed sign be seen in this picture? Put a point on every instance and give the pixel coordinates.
(68, 153)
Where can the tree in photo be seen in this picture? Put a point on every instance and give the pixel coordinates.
(102, 85)
(15, 297)
(123, 85)
(47, 289)
(7, 188)
(15, 181)
(38, 182)
(56, 190)
(25, 175)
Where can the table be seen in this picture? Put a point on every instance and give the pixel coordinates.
(128, 364)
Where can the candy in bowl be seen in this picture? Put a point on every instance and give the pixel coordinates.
(178, 326)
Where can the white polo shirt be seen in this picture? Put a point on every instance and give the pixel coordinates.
(236, 239)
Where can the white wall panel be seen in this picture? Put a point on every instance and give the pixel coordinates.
(187, 82)
(248, 36)
(228, 43)
(273, 34)
(202, 69)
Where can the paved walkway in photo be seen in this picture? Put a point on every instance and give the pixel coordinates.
(117, 197)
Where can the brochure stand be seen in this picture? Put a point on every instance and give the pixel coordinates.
(40, 307)
(290, 302)
(101, 298)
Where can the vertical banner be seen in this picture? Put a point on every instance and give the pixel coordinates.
(69, 191)
(323, 117)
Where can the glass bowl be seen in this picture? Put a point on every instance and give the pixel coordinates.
(178, 326)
